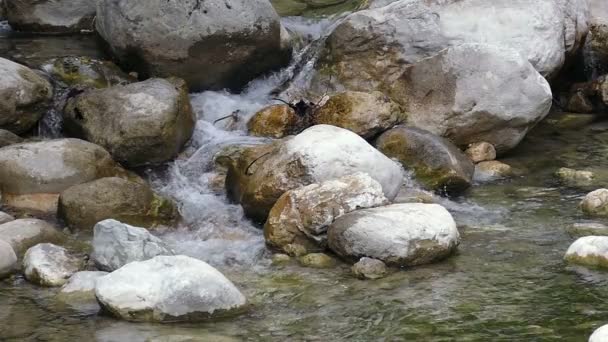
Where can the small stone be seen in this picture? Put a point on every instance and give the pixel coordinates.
(24, 233)
(280, 258)
(295, 250)
(574, 176)
(600, 335)
(481, 151)
(491, 170)
(317, 260)
(50, 265)
(8, 259)
(595, 203)
(368, 268)
(586, 229)
(589, 251)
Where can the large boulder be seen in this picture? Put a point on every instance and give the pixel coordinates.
(24, 233)
(211, 44)
(301, 216)
(50, 265)
(400, 234)
(116, 244)
(51, 16)
(24, 96)
(436, 162)
(8, 259)
(9, 138)
(258, 176)
(589, 251)
(83, 205)
(168, 289)
(140, 123)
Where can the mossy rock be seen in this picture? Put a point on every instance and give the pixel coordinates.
(87, 72)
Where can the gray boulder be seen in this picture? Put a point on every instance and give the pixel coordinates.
(50, 265)
(24, 233)
(211, 44)
(8, 259)
(51, 16)
(4, 217)
(9, 138)
(82, 283)
(116, 244)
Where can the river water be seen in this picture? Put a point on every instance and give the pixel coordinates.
(508, 281)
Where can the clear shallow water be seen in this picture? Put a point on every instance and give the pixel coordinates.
(508, 281)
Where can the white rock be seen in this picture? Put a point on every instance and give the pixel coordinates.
(600, 334)
(399, 234)
(82, 283)
(49, 265)
(589, 250)
(51, 16)
(168, 288)
(8, 259)
(24, 233)
(4, 217)
(595, 203)
(116, 244)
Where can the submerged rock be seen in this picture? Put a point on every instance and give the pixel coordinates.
(491, 170)
(259, 175)
(24, 233)
(574, 176)
(116, 244)
(84, 205)
(210, 44)
(49, 265)
(317, 260)
(366, 114)
(588, 228)
(368, 268)
(436, 162)
(276, 121)
(600, 334)
(25, 97)
(399, 234)
(85, 72)
(595, 203)
(139, 123)
(589, 251)
(480, 152)
(8, 259)
(302, 215)
(51, 16)
(168, 289)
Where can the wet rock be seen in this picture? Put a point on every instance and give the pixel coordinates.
(83, 205)
(168, 289)
(302, 215)
(491, 170)
(368, 268)
(596, 44)
(223, 46)
(317, 260)
(588, 228)
(24, 233)
(276, 121)
(400, 234)
(4, 217)
(8, 259)
(279, 258)
(589, 251)
(51, 16)
(116, 244)
(139, 123)
(25, 97)
(259, 175)
(85, 72)
(579, 102)
(595, 203)
(600, 334)
(481, 151)
(295, 250)
(50, 265)
(436, 162)
(366, 114)
(572, 176)
(82, 284)
(9, 138)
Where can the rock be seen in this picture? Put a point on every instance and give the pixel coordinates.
(168, 289)
(279, 258)
(4, 217)
(436, 162)
(302, 215)
(589, 251)
(116, 244)
(600, 334)
(139, 123)
(259, 175)
(24, 233)
(295, 250)
(595, 203)
(317, 260)
(82, 283)
(588, 228)
(574, 176)
(9, 138)
(85, 72)
(83, 205)
(50, 265)
(596, 44)
(276, 121)
(51, 16)
(25, 97)
(8, 259)
(368, 268)
(399, 234)
(366, 114)
(481, 151)
(209, 44)
(491, 170)
(579, 102)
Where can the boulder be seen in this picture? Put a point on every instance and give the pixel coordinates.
(491, 170)
(9, 138)
(85, 72)
(317, 260)
(367, 114)
(600, 334)
(50, 265)
(399, 234)
(168, 289)
(436, 162)
(276, 121)
(51, 16)
(589, 251)
(139, 123)
(480, 152)
(259, 175)
(368, 268)
(83, 205)
(301, 216)
(595, 203)
(4, 217)
(8, 259)
(25, 97)
(116, 244)
(210, 44)
(82, 283)
(24, 233)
